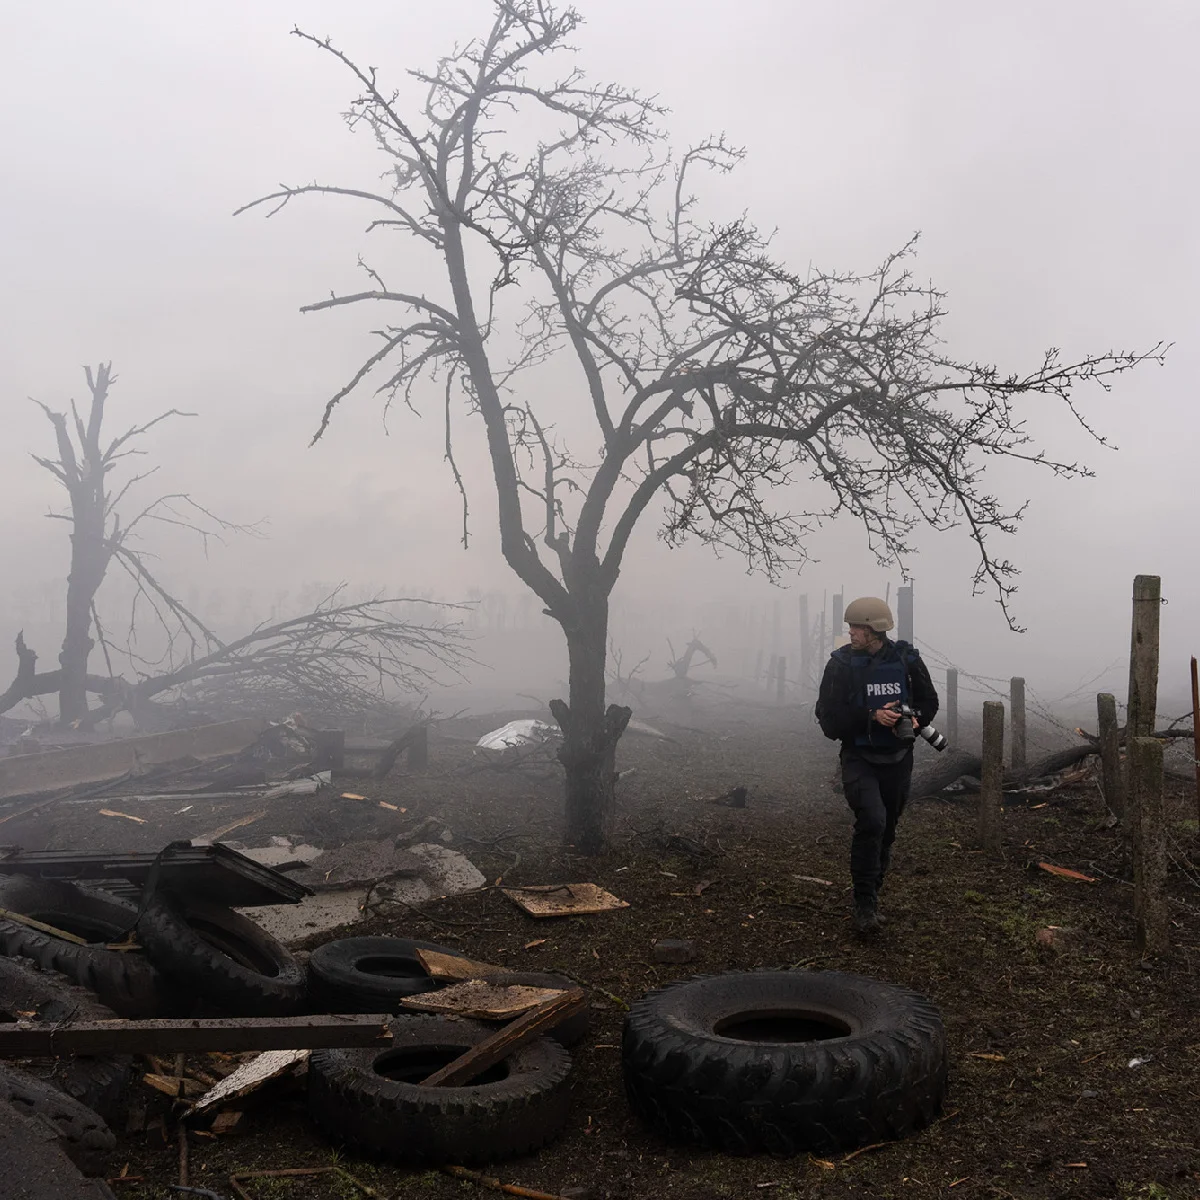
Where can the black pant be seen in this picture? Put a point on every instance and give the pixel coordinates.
(877, 794)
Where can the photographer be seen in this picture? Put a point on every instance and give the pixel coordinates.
(862, 691)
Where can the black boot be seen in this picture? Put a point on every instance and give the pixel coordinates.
(865, 918)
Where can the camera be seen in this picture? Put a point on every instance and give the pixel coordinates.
(904, 731)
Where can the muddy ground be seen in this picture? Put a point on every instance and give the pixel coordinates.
(1043, 1102)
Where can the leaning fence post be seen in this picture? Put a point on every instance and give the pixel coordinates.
(1110, 754)
(991, 791)
(1150, 846)
(952, 703)
(1016, 698)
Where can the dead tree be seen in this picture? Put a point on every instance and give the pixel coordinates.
(680, 664)
(344, 655)
(714, 375)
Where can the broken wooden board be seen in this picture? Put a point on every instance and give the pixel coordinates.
(250, 1076)
(481, 1000)
(174, 1085)
(525, 1029)
(30, 1039)
(564, 899)
(1066, 873)
(26, 774)
(451, 966)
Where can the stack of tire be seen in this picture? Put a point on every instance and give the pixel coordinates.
(195, 957)
(371, 1100)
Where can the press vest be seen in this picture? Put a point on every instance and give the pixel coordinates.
(876, 683)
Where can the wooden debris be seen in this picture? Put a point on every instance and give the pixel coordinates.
(28, 1039)
(225, 1122)
(112, 812)
(509, 1189)
(501, 1044)
(1066, 873)
(174, 1085)
(21, 919)
(813, 879)
(252, 1075)
(534, 944)
(453, 966)
(986, 1056)
(236, 1180)
(565, 899)
(352, 796)
(216, 834)
(482, 1000)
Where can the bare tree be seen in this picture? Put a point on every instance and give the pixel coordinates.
(344, 655)
(713, 374)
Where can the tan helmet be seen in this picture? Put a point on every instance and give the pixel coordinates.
(870, 611)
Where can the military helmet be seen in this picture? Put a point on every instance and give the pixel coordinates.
(870, 611)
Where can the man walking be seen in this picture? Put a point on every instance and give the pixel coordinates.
(862, 690)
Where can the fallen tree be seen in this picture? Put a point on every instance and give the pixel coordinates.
(343, 657)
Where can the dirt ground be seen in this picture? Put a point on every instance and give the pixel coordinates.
(1044, 1098)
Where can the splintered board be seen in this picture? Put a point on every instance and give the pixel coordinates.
(564, 899)
(481, 1000)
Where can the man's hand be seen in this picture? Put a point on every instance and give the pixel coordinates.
(888, 715)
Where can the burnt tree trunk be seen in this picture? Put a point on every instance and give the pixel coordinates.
(590, 735)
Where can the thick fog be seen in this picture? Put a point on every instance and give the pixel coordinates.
(1047, 153)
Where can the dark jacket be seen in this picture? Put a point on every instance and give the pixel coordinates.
(840, 710)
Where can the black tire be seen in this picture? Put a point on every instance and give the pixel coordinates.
(100, 1083)
(221, 956)
(123, 980)
(368, 974)
(515, 1108)
(784, 1061)
(567, 1033)
(83, 1135)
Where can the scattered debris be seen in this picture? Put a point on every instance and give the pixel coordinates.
(528, 732)
(1066, 873)
(674, 950)
(564, 899)
(241, 822)
(238, 1178)
(647, 731)
(813, 879)
(308, 786)
(175, 1086)
(31, 1039)
(251, 1075)
(478, 999)
(533, 1024)
(511, 1189)
(734, 798)
(450, 966)
(112, 812)
(1141, 1061)
(30, 773)
(702, 887)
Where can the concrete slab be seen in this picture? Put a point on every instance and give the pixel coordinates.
(443, 872)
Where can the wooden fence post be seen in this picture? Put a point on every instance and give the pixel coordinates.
(991, 791)
(836, 624)
(1150, 913)
(904, 613)
(1143, 658)
(781, 680)
(1110, 754)
(952, 704)
(1016, 699)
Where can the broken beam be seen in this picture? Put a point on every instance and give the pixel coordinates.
(500, 1045)
(30, 1039)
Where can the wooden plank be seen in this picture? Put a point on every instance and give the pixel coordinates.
(564, 900)
(480, 1000)
(453, 966)
(31, 1039)
(501, 1044)
(1143, 657)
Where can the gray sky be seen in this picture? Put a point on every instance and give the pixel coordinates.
(1046, 151)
